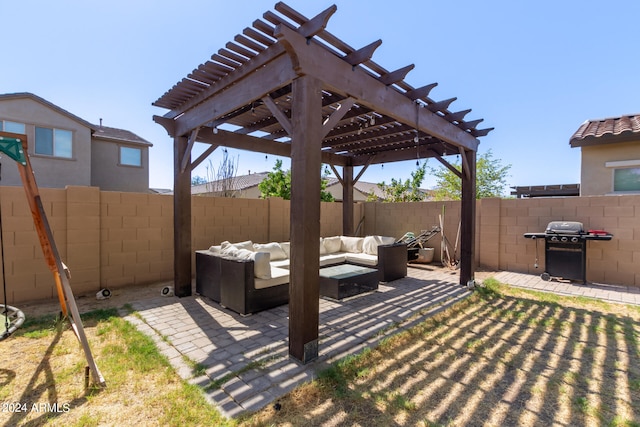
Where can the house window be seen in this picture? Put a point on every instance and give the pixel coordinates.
(626, 175)
(14, 127)
(626, 179)
(130, 156)
(54, 142)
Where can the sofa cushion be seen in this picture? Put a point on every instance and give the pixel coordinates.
(286, 247)
(247, 244)
(363, 259)
(351, 244)
(370, 243)
(274, 249)
(215, 249)
(227, 248)
(323, 250)
(334, 258)
(261, 266)
(332, 244)
(279, 276)
(281, 263)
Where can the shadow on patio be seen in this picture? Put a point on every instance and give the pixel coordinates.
(243, 364)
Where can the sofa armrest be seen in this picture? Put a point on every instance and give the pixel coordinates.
(208, 274)
(392, 261)
(236, 283)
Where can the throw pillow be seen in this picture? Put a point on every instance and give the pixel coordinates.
(261, 266)
(351, 244)
(275, 250)
(332, 244)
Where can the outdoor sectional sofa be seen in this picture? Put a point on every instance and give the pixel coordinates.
(247, 277)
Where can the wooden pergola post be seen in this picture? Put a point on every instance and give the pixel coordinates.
(347, 201)
(182, 217)
(304, 293)
(468, 217)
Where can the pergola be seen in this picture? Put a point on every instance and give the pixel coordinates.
(290, 88)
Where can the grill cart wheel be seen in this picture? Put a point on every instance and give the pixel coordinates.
(545, 276)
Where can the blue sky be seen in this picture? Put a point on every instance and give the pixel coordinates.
(533, 70)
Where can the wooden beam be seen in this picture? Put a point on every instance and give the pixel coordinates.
(458, 116)
(278, 113)
(304, 291)
(318, 23)
(272, 76)
(341, 77)
(396, 76)
(468, 222)
(259, 145)
(203, 156)
(347, 201)
(363, 54)
(421, 92)
(337, 115)
(441, 105)
(338, 176)
(181, 220)
(446, 164)
(187, 154)
(465, 164)
(364, 168)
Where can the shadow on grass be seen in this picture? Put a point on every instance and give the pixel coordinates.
(492, 359)
(42, 382)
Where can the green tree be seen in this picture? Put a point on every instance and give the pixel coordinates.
(407, 191)
(278, 184)
(491, 178)
(197, 180)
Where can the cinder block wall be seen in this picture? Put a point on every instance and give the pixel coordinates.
(113, 239)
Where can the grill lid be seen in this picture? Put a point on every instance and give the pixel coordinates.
(564, 227)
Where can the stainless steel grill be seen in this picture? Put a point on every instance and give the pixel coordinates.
(566, 249)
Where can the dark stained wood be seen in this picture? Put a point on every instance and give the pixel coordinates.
(240, 50)
(317, 23)
(338, 74)
(247, 42)
(181, 220)
(441, 105)
(278, 113)
(304, 290)
(458, 116)
(347, 201)
(337, 115)
(396, 76)
(273, 75)
(202, 157)
(421, 92)
(468, 220)
(363, 54)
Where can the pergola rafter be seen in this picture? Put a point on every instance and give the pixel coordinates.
(291, 88)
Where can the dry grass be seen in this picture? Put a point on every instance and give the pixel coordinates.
(44, 364)
(502, 357)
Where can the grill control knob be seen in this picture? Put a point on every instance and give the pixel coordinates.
(574, 239)
(554, 239)
(564, 238)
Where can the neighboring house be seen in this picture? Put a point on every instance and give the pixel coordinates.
(67, 150)
(610, 155)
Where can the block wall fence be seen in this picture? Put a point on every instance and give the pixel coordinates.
(117, 239)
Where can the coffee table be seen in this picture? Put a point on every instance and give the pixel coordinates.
(346, 280)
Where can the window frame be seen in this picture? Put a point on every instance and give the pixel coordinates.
(55, 153)
(621, 165)
(3, 126)
(127, 164)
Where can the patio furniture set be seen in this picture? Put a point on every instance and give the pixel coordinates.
(247, 277)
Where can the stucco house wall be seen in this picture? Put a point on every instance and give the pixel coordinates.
(609, 147)
(598, 165)
(95, 159)
(52, 172)
(108, 172)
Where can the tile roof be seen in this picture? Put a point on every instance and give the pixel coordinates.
(615, 129)
(115, 134)
(241, 182)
